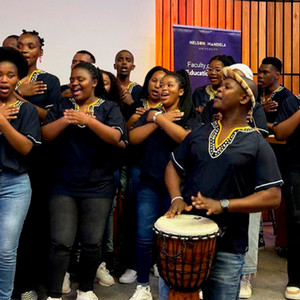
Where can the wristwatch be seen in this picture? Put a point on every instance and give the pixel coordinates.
(224, 204)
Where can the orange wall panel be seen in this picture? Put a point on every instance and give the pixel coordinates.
(229, 14)
(205, 13)
(221, 14)
(269, 28)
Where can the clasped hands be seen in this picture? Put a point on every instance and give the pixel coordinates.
(77, 117)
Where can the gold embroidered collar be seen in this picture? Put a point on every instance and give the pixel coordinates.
(214, 148)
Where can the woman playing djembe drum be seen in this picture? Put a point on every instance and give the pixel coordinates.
(228, 171)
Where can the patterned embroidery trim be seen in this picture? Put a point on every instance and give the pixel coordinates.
(210, 91)
(91, 107)
(17, 104)
(216, 150)
(34, 75)
(263, 96)
(131, 85)
(146, 104)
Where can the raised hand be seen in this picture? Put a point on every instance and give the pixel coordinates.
(126, 96)
(9, 112)
(140, 111)
(212, 206)
(28, 88)
(77, 117)
(174, 115)
(269, 105)
(177, 207)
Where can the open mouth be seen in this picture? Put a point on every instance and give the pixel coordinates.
(76, 91)
(164, 96)
(4, 89)
(213, 78)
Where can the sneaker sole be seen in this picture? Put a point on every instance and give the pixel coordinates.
(126, 281)
(292, 297)
(105, 284)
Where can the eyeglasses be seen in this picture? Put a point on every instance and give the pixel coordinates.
(210, 69)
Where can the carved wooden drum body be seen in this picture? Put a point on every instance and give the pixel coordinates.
(186, 247)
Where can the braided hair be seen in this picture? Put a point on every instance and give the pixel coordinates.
(185, 103)
(35, 33)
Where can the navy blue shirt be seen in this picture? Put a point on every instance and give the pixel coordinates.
(135, 90)
(203, 95)
(27, 123)
(291, 157)
(83, 163)
(51, 95)
(279, 95)
(156, 153)
(240, 166)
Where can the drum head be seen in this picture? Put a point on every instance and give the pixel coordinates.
(186, 226)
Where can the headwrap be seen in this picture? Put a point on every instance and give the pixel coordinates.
(228, 73)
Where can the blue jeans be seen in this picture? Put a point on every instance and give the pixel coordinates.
(15, 195)
(223, 282)
(251, 257)
(151, 204)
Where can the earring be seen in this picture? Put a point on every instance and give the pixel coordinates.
(40, 59)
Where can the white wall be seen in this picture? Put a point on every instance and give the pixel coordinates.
(102, 27)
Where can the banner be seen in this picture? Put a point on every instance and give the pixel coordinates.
(194, 47)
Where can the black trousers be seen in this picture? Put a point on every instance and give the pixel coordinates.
(70, 216)
(291, 192)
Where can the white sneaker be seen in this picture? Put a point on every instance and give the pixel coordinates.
(66, 287)
(128, 277)
(49, 298)
(245, 289)
(155, 271)
(30, 295)
(86, 295)
(292, 292)
(142, 293)
(103, 275)
(200, 295)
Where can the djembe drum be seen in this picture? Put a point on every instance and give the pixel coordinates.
(186, 247)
